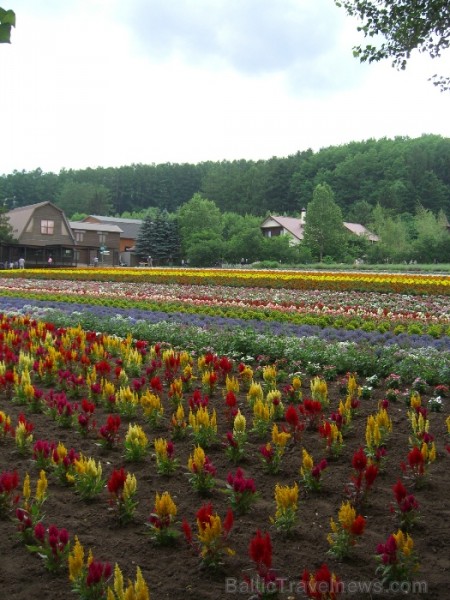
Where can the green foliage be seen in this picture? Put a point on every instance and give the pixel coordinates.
(396, 173)
(158, 238)
(84, 198)
(324, 232)
(402, 26)
(6, 230)
(198, 217)
(280, 249)
(205, 249)
(7, 20)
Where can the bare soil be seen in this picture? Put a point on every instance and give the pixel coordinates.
(176, 572)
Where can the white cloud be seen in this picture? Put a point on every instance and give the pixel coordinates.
(89, 83)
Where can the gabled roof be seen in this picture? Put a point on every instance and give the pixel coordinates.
(20, 217)
(360, 230)
(130, 227)
(82, 226)
(295, 227)
(290, 224)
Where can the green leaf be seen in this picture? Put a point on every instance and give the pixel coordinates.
(5, 34)
(7, 20)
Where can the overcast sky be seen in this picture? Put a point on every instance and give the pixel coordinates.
(88, 83)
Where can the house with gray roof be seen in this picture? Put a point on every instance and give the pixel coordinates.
(294, 227)
(42, 231)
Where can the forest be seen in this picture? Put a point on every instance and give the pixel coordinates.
(211, 212)
(398, 174)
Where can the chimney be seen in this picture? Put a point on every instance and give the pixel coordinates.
(302, 216)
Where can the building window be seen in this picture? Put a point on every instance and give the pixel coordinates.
(101, 237)
(79, 236)
(47, 227)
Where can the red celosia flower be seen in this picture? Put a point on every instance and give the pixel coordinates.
(27, 424)
(204, 514)
(316, 471)
(359, 460)
(198, 400)
(388, 551)
(103, 368)
(117, 481)
(399, 491)
(225, 365)
(370, 474)
(8, 481)
(39, 532)
(228, 521)
(230, 399)
(321, 584)
(260, 550)
(292, 417)
(155, 384)
(268, 452)
(87, 406)
(416, 460)
(187, 531)
(358, 525)
(97, 572)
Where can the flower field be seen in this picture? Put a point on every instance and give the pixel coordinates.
(145, 425)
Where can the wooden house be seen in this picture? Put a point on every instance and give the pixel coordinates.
(41, 231)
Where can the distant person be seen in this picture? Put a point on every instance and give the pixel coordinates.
(21, 263)
(96, 261)
(50, 261)
(150, 261)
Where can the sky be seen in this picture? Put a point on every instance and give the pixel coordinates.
(108, 83)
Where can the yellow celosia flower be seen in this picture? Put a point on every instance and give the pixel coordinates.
(239, 423)
(130, 486)
(197, 460)
(186, 359)
(208, 532)
(126, 397)
(165, 506)
(136, 436)
(274, 397)
(270, 375)
(447, 422)
(296, 383)
(176, 389)
(118, 584)
(246, 375)
(262, 411)
(279, 438)
(160, 445)
(255, 393)
(26, 491)
(231, 384)
(346, 515)
(428, 452)
(151, 403)
(41, 486)
(202, 418)
(319, 390)
(352, 387)
(76, 560)
(415, 400)
(61, 452)
(404, 542)
(286, 497)
(307, 461)
(178, 416)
